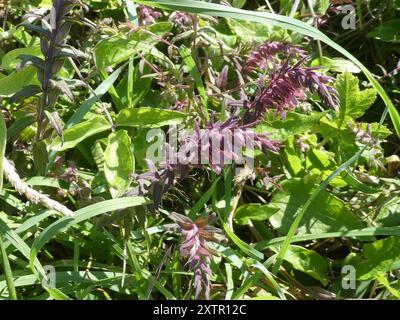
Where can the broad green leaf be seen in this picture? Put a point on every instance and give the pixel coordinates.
(307, 261)
(335, 64)
(295, 123)
(353, 102)
(319, 159)
(379, 256)
(80, 216)
(79, 132)
(15, 82)
(248, 32)
(139, 87)
(388, 213)
(114, 50)
(143, 117)
(389, 31)
(327, 213)
(119, 164)
(253, 211)
(12, 58)
(293, 161)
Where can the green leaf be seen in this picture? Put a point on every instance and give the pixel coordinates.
(3, 143)
(248, 32)
(80, 216)
(246, 248)
(382, 279)
(79, 132)
(203, 200)
(379, 256)
(114, 50)
(14, 239)
(307, 261)
(295, 123)
(98, 93)
(389, 31)
(253, 211)
(133, 91)
(335, 64)
(12, 58)
(149, 117)
(119, 164)
(388, 213)
(7, 271)
(327, 213)
(353, 102)
(186, 55)
(16, 81)
(357, 184)
(354, 234)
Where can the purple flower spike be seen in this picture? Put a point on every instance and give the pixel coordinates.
(147, 16)
(288, 86)
(194, 249)
(266, 53)
(182, 19)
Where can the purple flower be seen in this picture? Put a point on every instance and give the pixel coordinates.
(147, 16)
(288, 86)
(194, 249)
(218, 144)
(266, 53)
(182, 19)
(181, 104)
(161, 180)
(71, 174)
(221, 143)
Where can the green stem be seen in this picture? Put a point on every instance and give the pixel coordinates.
(7, 272)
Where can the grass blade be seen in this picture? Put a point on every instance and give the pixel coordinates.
(7, 272)
(82, 215)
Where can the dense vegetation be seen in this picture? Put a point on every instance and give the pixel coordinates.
(199, 149)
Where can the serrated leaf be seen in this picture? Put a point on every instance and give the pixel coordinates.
(353, 102)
